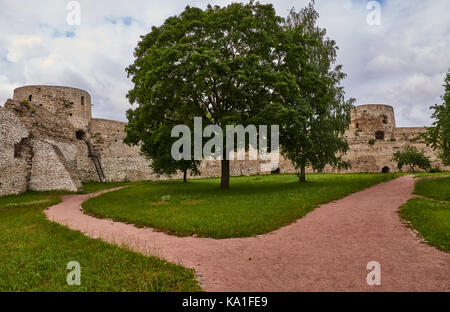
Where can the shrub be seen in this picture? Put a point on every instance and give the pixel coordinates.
(25, 103)
(372, 141)
(412, 157)
(435, 170)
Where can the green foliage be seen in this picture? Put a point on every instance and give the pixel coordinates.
(35, 251)
(219, 64)
(67, 104)
(411, 157)
(25, 103)
(312, 125)
(438, 136)
(435, 170)
(253, 205)
(371, 141)
(239, 64)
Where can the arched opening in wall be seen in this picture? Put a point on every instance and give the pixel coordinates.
(30, 97)
(379, 135)
(357, 125)
(385, 169)
(80, 134)
(82, 100)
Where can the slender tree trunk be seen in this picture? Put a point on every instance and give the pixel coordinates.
(302, 174)
(185, 176)
(225, 176)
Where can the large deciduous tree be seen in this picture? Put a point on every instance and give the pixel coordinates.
(438, 136)
(219, 64)
(315, 137)
(241, 64)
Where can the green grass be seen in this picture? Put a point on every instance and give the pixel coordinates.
(429, 174)
(92, 187)
(431, 216)
(34, 254)
(253, 205)
(436, 188)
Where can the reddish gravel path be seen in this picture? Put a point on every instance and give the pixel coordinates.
(327, 250)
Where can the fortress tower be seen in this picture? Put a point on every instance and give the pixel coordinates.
(66, 102)
(50, 141)
(375, 120)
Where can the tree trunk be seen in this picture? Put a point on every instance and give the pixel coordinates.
(225, 175)
(302, 174)
(412, 169)
(185, 176)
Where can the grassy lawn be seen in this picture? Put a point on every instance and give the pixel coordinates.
(436, 188)
(92, 187)
(429, 174)
(253, 205)
(34, 254)
(431, 216)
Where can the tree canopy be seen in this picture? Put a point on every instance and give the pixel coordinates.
(317, 140)
(239, 64)
(438, 136)
(412, 157)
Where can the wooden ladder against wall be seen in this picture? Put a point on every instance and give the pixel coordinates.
(97, 163)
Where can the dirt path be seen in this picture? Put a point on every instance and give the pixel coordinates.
(327, 250)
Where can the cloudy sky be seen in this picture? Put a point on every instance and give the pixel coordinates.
(401, 62)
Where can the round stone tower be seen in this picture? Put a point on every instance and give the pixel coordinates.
(374, 119)
(70, 103)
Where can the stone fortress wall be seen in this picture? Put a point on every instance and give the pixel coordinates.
(373, 138)
(49, 140)
(48, 137)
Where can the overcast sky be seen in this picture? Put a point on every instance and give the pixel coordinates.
(401, 62)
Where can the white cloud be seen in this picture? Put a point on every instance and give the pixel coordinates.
(401, 62)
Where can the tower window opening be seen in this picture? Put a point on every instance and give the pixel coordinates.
(82, 100)
(379, 135)
(80, 134)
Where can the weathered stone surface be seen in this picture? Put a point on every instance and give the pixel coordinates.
(13, 162)
(51, 170)
(48, 138)
(71, 104)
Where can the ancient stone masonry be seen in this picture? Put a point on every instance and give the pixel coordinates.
(49, 141)
(373, 137)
